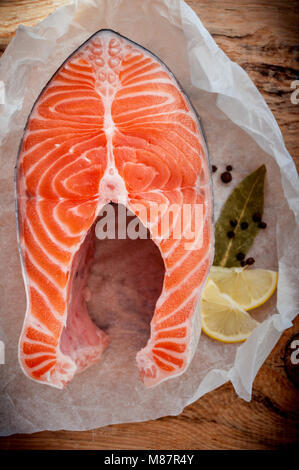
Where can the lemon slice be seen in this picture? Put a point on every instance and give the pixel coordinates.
(249, 288)
(222, 318)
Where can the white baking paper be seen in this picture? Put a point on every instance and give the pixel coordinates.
(240, 130)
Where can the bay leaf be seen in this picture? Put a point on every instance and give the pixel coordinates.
(245, 200)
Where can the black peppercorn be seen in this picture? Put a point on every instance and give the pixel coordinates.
(257, 217)
(214, 168)
(233, 222)
(230, 234)
(226, 177)
(262, 225)
(229, 168)
(244, 225)
(250, 261)
(240, 256)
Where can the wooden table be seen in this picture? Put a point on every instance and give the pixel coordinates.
(261, 36)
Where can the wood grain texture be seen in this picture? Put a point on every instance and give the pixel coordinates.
(27, 12)
(262, 37)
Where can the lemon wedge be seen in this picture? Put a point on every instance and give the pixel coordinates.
(249, 288)
(222, 318)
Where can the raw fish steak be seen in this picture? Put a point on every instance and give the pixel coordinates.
(112, 125)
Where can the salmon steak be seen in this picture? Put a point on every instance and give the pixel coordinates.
(111, 125)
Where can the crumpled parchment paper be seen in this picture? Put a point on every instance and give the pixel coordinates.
(127, 275)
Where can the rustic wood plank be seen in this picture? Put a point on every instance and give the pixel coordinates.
(262, 37)
(27, 12)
